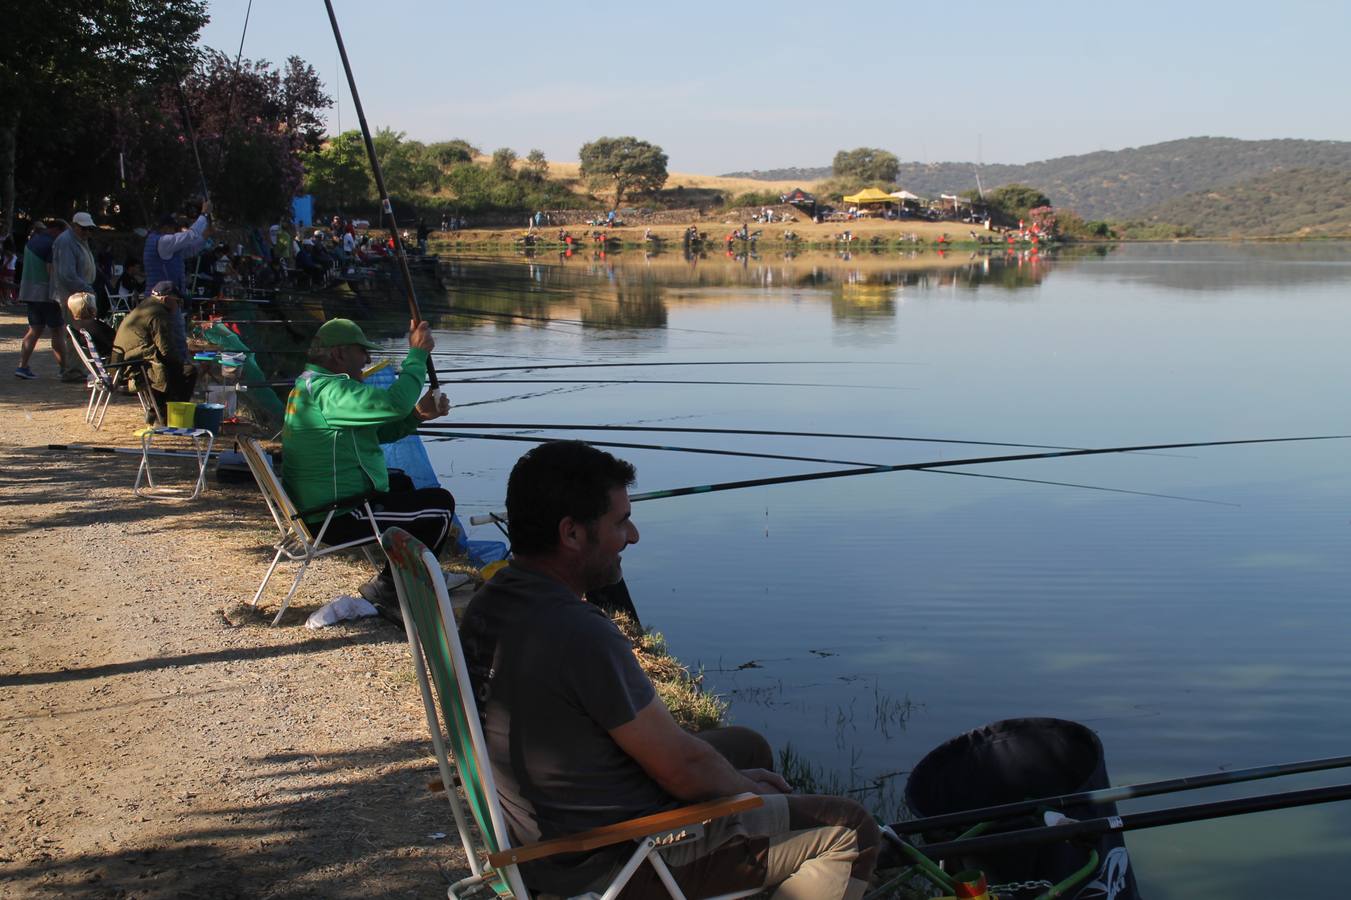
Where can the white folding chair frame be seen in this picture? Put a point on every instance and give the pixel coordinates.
(296, 542)
(102, 386)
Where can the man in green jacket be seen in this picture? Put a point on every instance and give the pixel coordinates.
(331, 445)
(147, 333)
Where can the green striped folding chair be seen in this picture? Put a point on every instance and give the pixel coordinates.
(434, 643)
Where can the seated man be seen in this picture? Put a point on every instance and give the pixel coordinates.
(148, 333)
(331, 445)
(83, 308)
(577, 736)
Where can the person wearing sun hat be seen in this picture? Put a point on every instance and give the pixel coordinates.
(331, 441)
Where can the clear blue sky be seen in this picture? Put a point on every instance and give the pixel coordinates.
(724, 86)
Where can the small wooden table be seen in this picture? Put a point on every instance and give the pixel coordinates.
(202, 441)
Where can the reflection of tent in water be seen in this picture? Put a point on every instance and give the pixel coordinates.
(862, 300)
(870, 195)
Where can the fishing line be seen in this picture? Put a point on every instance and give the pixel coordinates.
(852, 387)
(1087, 487)
(619, 365)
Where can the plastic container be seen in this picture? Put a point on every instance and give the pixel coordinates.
(181, 415)
(226, 395)
(1017, 759)
(209, 416)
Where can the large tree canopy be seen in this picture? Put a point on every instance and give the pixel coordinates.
(1013, 201)
(72, 64)
(625, 163)
(866, 165)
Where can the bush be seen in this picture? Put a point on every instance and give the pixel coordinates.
(755, 198)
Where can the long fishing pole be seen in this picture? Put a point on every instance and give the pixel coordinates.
(738, 431)
(386, 206)
(1116, 794)
(947, 463)
(457, 435)
(636, 365)
(1070, 829)
(853, 387)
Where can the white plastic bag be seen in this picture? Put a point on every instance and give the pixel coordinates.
(340, 610)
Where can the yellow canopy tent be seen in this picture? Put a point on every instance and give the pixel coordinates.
(870, 195)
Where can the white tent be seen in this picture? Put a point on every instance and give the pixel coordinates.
(904, 195)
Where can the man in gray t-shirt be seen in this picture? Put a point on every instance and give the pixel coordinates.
(577, 736)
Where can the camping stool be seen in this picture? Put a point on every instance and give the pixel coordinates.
(202, 441)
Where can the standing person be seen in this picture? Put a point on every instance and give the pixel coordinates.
(577, 736)
(73, 272)
(331, 441)
(9, 266)
(168, 246)
(147, 333)
(35, 291)
(422, 232)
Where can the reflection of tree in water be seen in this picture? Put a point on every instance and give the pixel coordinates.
(632, 304)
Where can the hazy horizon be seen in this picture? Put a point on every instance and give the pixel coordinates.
(725, 89)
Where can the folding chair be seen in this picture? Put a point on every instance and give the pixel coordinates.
(298, 541)
(434, 642)
(107, 378)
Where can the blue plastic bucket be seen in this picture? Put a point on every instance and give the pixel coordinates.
(209, 416)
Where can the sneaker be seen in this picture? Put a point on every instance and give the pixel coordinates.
(381, 594)
(24, 372)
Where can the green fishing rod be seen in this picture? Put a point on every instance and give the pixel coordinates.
(386, 206)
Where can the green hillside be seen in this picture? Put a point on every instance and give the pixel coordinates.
(1303, 202)
(1124, 184)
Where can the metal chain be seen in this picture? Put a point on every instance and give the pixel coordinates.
(1018, 887)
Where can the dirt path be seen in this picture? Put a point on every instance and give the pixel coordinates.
(161, 742)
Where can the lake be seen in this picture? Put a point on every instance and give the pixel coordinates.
(865, 620)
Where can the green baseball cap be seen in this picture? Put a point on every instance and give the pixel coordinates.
(340, 333)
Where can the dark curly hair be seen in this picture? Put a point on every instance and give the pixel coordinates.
(556, 480)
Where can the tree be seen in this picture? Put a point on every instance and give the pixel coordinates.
(866, 164)
(504, 162)
(407, 166)
(624, 162)
(1012, 201)
(81, 62)
(252, 125)
(536, 165)
(449, 153)
(339, 174)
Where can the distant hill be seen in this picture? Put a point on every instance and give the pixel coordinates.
(1307, 202)
(1125, 184)
(794, 174)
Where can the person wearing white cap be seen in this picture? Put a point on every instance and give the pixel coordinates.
(73, 272)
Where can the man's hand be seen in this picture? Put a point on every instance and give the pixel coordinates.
(767, 782)
(433, 405)
(420, 336)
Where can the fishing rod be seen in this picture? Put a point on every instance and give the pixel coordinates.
(1068, 829)
(455, 435)
(947, 463)
(853, 387)
(1116, 794)
(386, 206)
(741, 431)
(634, 365)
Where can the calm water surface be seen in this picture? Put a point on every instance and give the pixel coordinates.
(863, 621)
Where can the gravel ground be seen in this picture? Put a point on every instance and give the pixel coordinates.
(160, 739)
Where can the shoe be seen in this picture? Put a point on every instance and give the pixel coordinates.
(24, 372)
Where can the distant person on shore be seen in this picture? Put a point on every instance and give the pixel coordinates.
(35, 292)
(331, 441)
(148, 333)
(578, 738)
(84, 313)
(73, 270)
